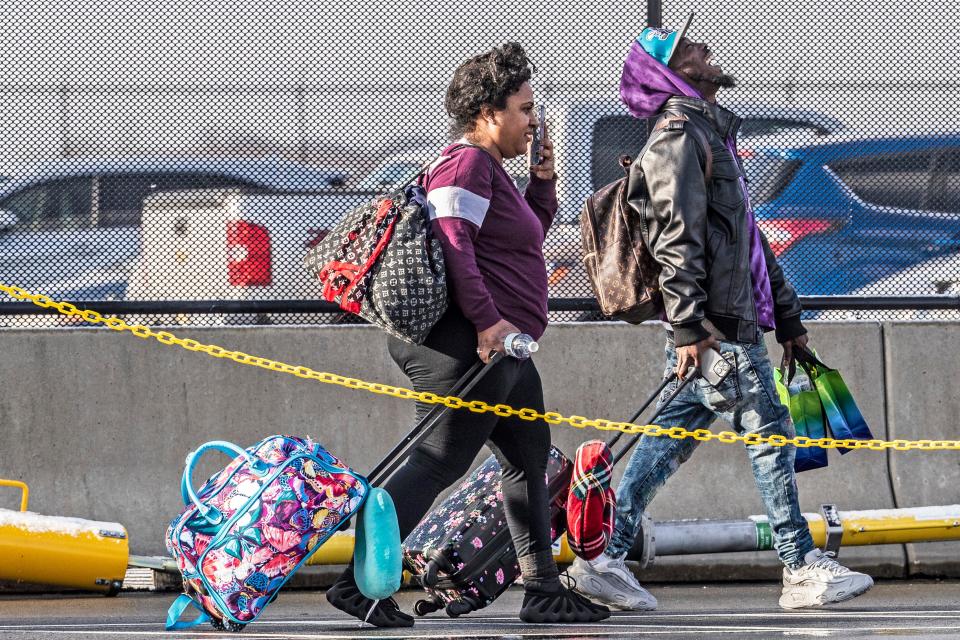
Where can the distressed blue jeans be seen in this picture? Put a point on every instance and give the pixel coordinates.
(748, 400)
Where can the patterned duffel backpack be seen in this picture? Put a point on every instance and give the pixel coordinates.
(383, 263)
(252, 525)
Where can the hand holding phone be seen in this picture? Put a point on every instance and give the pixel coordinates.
(714, 367)
(536, 145)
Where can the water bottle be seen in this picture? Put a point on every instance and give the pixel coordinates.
(520, 345)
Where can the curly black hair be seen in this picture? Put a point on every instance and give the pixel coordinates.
(486, 79)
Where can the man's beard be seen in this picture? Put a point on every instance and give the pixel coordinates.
(724, 80)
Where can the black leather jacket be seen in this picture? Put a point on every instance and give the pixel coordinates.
(698, 232)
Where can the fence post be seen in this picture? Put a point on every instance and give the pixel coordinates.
(654, 13)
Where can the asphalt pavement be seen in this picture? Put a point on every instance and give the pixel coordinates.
(892, 609)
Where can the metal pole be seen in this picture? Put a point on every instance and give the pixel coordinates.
(554, 304)
(685, 537)
(654, 13)
(860, 528)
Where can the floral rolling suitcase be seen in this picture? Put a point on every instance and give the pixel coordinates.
(462, 551)
(252, 525)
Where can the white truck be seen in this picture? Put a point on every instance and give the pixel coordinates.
(70, 227)
(228, 245)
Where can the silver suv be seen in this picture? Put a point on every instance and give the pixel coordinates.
(70, 228)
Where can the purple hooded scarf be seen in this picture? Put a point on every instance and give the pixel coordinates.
(645, 86)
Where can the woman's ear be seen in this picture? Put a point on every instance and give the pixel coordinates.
(488, 114)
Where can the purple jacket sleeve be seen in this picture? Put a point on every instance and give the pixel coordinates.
(459, 189)
(541, 195)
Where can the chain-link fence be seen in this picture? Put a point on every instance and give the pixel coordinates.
(169, 156)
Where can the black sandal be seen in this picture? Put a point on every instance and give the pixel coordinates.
(563, 605)
(346, 596)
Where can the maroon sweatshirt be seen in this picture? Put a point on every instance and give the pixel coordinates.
(492, 237)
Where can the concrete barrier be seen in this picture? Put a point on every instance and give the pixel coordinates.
(98, 423)
(921, 369)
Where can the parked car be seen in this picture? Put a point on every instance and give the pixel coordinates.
(235, 246)
(842, 215)
(396, 169)
(938, 276)
(65, 222)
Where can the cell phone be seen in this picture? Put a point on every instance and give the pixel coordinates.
(536, 145)
(714, 367)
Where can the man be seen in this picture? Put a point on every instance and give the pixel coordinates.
(722, 289)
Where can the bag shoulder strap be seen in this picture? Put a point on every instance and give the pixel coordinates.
(422, 171)
(678, 122)
(176, 610)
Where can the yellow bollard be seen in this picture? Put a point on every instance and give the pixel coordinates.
(561, 551)
(67, 552)
(860, 528)
(892, 526)
(338, 549)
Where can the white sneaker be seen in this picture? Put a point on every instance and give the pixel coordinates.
(822, 580)
(610, 581)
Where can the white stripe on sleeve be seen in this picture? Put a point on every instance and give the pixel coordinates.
(457, 202)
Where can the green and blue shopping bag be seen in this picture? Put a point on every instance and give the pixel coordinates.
(820, 404)
(843, 417)
(807, 415)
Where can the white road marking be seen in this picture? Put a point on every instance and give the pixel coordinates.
(621, 624)
(632, 631)
(614, 620)
(554, 631)
(949, 614)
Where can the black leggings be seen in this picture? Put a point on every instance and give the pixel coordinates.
(521, 446)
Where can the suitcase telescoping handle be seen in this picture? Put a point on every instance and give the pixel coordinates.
(656, 394)
(392, 461)
(653, 396)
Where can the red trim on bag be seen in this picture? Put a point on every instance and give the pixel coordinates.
(329, 273)
(354, 306)
(384, 209)
(349, 275)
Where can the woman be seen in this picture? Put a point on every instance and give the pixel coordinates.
(492, 237)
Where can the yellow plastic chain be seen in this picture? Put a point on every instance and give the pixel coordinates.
(476, 406)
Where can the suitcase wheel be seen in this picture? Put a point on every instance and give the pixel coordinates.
(425, 607)
(227, 625)
(458, 608)
(235, 627)
(430, 574)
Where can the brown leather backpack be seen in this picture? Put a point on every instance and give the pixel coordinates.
(621, 270)
(620, 267)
